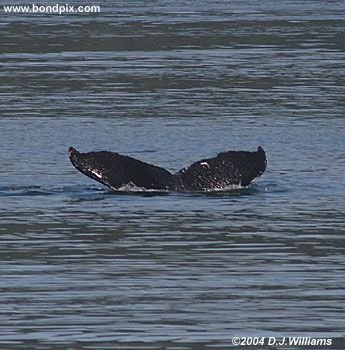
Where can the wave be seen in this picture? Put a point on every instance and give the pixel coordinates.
(130, 188)
(34, 190)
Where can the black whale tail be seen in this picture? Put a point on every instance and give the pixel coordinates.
(226, 170)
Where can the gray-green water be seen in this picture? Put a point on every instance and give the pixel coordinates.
(170, 83)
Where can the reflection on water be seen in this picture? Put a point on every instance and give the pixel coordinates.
(171, 83)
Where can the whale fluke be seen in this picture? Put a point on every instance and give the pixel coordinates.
(228, 169)
(232, 168)
(115, 170)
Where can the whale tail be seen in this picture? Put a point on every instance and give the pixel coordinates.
(232, 168)
(115, 170)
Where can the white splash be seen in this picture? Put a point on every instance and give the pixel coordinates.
(132, 187)
(225, 188)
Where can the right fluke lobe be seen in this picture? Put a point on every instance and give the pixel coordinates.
(228, 169)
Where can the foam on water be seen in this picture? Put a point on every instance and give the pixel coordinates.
(131, 187)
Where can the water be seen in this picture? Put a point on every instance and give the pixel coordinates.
(171, 83)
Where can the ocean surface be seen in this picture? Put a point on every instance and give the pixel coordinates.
(172, 82)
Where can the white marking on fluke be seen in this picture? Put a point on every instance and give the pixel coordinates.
(205, 164)
(94, 172)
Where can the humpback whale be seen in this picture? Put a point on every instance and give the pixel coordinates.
(226, 170)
